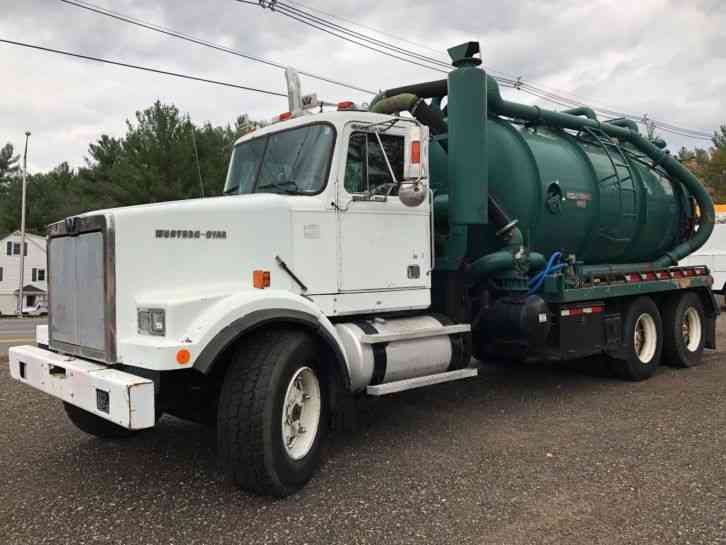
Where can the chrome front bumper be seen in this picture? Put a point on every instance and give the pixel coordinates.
(122, 398)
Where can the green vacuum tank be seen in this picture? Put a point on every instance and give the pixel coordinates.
(576, 194)
(508, 176)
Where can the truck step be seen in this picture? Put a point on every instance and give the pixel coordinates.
(375, 338)
(418, 382)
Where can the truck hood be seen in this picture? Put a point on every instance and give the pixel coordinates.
(196, 250)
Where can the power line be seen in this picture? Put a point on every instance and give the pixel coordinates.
(374, 41)
(343, 37)
(501, 76)
(199, 41)
(431, 63)
(144, 68)
(361, 25)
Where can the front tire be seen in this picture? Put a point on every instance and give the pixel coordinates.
(95, 425)
(642, 341)
(272, 413)
(683, 321)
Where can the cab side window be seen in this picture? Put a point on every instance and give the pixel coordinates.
(366, 168)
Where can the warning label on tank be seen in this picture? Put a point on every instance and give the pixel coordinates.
(581, 198)
(573, 196)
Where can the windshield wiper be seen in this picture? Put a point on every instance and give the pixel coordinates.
(281, 185)
(231, 190)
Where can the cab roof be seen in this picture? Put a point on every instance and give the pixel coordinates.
(337, 118)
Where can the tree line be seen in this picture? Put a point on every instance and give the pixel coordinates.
(163, 156)
(709, 164)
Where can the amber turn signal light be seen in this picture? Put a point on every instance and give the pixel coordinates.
(261, 279)
(183, 356)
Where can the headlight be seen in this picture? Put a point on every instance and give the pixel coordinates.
(152, 321)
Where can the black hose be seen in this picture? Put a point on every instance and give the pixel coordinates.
(429, 117)
(427, 89)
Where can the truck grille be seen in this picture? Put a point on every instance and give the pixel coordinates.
(81, 288)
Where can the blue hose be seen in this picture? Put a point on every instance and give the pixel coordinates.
(553, 266)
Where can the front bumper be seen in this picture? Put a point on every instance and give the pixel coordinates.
(122, 398)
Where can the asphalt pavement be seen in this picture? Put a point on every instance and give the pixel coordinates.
(524, 454)
(16, 331)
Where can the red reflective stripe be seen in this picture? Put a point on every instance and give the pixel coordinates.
(579, 311)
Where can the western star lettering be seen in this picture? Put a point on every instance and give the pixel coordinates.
(190, 233)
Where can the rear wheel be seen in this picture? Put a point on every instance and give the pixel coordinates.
(642, 341)
(95, 425)
(272, 413)
(683, 322)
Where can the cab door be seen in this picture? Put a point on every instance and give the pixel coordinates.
(384, 244)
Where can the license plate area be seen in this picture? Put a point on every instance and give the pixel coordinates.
(56, 371)
(121, 397)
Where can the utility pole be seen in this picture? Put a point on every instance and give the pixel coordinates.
(649, 126)
(196, 155)
(22, 227)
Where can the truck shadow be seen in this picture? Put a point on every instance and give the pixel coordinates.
(181, 452)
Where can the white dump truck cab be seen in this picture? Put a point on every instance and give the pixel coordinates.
(309, 278)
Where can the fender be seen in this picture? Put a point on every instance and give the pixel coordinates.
(252, 312)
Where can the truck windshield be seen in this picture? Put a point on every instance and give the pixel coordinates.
(294, 162)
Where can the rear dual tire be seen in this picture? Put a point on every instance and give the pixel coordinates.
(642, 341)
(684, 320)
(676, 336)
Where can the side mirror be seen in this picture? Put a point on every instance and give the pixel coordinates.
(413, 190)
(412, 193)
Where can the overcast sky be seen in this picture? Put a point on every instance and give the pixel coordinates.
(660, 57)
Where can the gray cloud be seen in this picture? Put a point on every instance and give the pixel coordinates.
(665, 58)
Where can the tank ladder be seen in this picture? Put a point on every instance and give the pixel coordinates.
(619, 161)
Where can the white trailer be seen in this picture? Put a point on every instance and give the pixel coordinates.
(713, 255)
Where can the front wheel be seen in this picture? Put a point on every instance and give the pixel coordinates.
(642, 341)
(271, 414)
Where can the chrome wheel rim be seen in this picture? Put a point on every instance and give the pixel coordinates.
(691, 329)
(301, 413)
(645, 339)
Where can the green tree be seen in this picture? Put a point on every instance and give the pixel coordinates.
(696, 160)
(9, 162)
(715, 171)
(51, 196)
(155, 161)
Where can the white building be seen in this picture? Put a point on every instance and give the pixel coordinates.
(35, 278)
